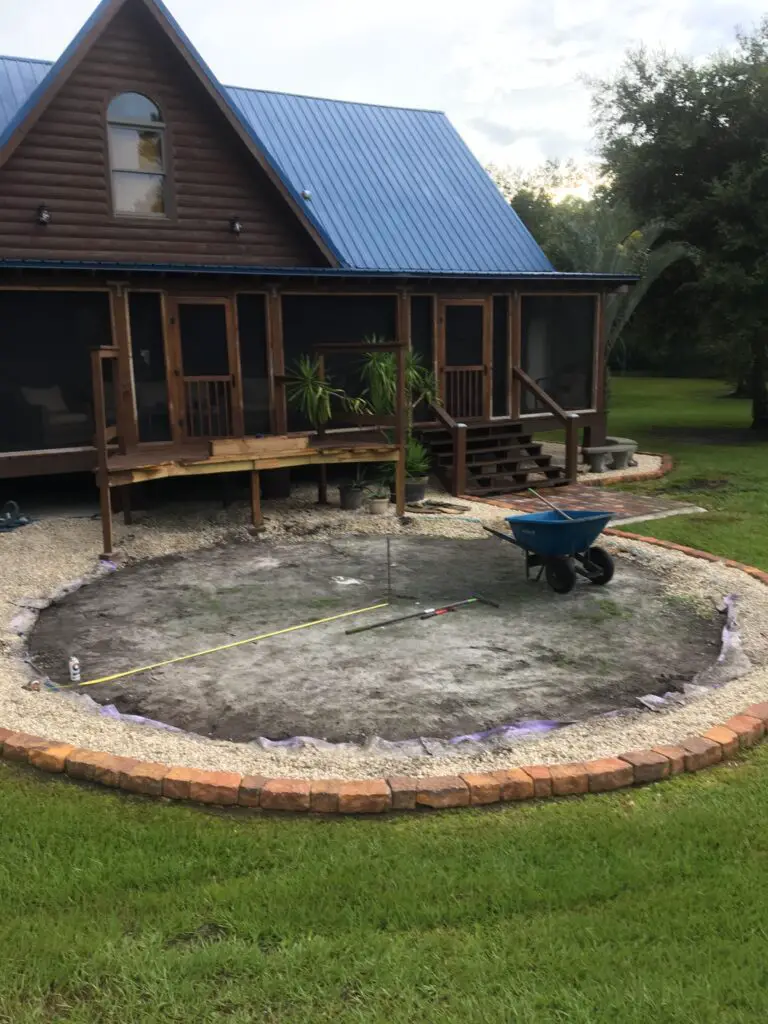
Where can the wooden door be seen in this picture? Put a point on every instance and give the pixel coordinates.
(205, 366)
(464, 357)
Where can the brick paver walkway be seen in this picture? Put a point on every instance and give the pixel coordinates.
(623, 505)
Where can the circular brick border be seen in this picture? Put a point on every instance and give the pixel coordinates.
(404, 793)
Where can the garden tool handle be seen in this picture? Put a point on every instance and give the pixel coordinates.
(551, 504)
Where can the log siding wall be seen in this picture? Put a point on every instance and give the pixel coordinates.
(64, 163)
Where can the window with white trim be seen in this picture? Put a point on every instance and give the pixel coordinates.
(136, 156)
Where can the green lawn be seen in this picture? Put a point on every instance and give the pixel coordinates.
(720, 464)
(647, 907)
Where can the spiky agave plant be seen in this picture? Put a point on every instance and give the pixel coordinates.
(314, 395)
(379, 374)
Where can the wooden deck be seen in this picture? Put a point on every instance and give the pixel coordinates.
(243, 455)
(240, 455)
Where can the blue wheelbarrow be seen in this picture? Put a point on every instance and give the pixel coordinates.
(560, 544)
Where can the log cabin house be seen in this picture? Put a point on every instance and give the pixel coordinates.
(169, 246)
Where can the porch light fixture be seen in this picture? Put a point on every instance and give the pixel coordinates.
(235, 226)
(43, 214)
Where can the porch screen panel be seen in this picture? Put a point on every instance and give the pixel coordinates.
(252, 327)
(310, 320)
(149, 372)
(558, 334)
(422, 339)
(46, 398)
(500, 371)
(464, 335)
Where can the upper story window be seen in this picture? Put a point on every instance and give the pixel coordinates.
(136, 156)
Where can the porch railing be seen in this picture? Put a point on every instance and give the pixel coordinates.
(208, 404)
(464, 391)
(568, 419)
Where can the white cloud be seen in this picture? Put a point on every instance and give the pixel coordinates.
(508, 72)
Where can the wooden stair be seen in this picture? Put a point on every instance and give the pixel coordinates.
(500, 458)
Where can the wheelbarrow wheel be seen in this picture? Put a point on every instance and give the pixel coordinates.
(560, 575)
(602, 561)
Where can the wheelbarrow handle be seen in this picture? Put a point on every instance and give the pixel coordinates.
(551, 504)
(500, 534)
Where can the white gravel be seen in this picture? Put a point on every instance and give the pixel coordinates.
(38, 560)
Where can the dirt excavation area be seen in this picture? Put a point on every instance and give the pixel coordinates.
(538, 655)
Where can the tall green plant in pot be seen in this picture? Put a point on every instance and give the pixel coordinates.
(314, 395)
(379, 375)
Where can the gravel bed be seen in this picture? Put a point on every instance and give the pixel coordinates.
(39, 560)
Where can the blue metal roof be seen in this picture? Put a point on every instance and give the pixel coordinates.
(18, 80)
(393, 190)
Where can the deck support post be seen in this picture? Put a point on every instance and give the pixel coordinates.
(106, 516)
(256, 517)
(322, 485)
(125, 498)
(401, 401)
(102, 472)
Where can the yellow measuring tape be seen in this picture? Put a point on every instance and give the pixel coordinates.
(227, 647)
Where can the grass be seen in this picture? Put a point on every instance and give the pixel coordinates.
(625, 909)
(720, 464)
(602, 610)
(629, 909)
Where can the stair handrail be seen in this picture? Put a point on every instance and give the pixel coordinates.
(458, 433)
(569, 420)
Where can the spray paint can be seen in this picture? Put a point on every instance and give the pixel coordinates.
(74, 669)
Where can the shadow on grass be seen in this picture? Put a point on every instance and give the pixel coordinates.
(737, 436)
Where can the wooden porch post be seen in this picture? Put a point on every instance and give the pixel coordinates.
(598, 432)
(235, 365)
(401, 410)
(322, 483)
(127, 417)
(276, 361)
(515, 352)
(488, 357)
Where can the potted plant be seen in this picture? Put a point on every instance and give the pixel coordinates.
(379, 373)
(378, 499)
(352, 493)
(312, 393)
(417, 463)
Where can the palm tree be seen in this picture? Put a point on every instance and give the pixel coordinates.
(600, 237)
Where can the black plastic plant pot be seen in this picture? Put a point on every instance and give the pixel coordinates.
(415, 489)
(351, 497)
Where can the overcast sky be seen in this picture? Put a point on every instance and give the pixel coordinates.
(507, 72)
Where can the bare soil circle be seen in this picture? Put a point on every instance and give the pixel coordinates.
(538, 655)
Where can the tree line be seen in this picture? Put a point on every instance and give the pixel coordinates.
(682, 203)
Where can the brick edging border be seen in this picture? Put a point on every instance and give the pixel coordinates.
(403, 793)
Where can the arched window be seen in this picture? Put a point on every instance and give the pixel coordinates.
(136, 156)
